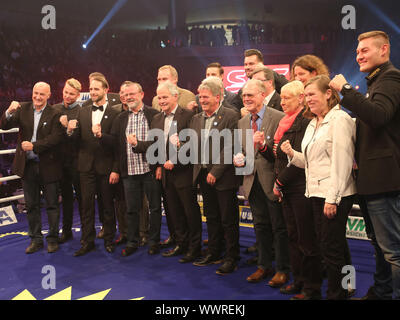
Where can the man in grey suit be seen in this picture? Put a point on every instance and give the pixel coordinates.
(269, 224)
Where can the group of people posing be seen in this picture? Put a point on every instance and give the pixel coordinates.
(308, 161)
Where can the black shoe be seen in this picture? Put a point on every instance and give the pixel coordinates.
(33, 247)
(173, 252)
(110, 247)
(84, 249)
(189, 257)
(52, 247)
(169, 242)
(128, 251)
(207, 260)
(154, 249)
(227, 267)
(65, 236)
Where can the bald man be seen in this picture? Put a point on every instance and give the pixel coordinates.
(37, 161)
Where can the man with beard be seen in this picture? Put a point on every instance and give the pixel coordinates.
(97, 165)
(136, 173)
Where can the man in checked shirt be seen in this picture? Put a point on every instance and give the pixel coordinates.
(136, 173)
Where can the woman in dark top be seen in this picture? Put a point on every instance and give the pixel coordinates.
(290, 187)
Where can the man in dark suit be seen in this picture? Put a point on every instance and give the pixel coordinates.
(253, 58)
(112, 99)
(229, 100)
(378, 156)
(217, 179)
(266, 75)
(37, 161)
(69, 109)
(137, 174)
(177, 183)
(269, 223)
(97, 165)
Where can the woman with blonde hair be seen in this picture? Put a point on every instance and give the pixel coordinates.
(290, 187)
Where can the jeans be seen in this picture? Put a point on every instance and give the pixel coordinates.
(384, 213)
(134, 186)
(32, 185)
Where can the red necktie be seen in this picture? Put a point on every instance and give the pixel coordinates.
(254, 118)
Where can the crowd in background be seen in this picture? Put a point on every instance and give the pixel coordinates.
(28, 56)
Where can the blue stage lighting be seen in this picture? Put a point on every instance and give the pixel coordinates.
(110, 14)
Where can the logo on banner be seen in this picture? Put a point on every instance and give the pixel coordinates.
(235, 77)
(7, 216)
(84, 96)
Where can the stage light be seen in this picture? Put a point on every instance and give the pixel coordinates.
(110, 14)
(384, 17)
(84, 46)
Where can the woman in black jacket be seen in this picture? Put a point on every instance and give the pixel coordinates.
(290, 187)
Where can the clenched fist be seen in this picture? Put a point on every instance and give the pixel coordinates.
(14, 106)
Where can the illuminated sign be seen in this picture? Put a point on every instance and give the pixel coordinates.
(235, 77)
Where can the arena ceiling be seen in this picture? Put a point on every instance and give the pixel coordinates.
(149, 14)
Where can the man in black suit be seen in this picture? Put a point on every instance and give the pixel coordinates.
(180, 194)
(253, 59)
(217, 179)
(266, 75)
(378, 156)
(97, 165)
(69, 109)
(37, 161)
(229, 99)
(112, 99)
(137, 174)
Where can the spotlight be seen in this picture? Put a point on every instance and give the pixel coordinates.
(84, 46)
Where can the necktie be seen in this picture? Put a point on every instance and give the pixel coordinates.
(254, 118)
(94, 108)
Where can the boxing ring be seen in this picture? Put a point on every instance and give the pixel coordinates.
(12, 177)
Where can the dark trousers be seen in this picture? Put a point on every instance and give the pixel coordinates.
(270, 229)
(305, 257)
(134, 187)
(32, 184)
(331, 234)
(185, 214)
(91, 182)
(120, 207)
(69, 183)
(221, 208)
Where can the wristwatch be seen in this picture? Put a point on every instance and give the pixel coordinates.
(346, 87)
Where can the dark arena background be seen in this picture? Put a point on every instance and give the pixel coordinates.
(53, 40)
